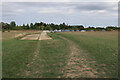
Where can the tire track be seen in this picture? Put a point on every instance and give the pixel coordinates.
(31, 67)
(35, 66)
(77, 65)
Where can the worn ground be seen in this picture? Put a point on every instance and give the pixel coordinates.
(96, 53)
(78, 64)
(31, 37)
(44, 36)
(62, 55)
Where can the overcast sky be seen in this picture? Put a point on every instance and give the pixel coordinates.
(72, 13)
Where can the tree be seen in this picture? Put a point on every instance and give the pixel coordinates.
(80, 27)
(27, 26)
(99, 28)
(48, 27)
(17, 27)
(109, 28)
(42, 27)
(23, 26)
(52, 26)
(75, 28)
(31, 26)
(63, 26)
(12, 25)
(90, 28)
(41, 23)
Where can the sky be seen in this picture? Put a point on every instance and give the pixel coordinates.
(72, 12)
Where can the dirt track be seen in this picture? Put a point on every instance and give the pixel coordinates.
(44, 36)
(31, 37)
(78, 64)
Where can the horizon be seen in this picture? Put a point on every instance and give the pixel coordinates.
(81, 13)
(66, 24)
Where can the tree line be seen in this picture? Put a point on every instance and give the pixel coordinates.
(51, 26)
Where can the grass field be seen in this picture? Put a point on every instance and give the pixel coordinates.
(68, 54)
(0, 54)
(99, 46)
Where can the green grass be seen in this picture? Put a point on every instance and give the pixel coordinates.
(0, 59)
(15, 56)
(18, 53)
(103, 46)
(53, 54)
(0, 54)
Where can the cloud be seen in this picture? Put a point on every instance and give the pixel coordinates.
(12, 12)
(95, 6)
(69, 12)
(57, 10)
(49, 10)
(7, 9)
(69, 8)
(60, 0)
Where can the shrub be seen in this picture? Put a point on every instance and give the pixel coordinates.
(3, 30)
(8, 30)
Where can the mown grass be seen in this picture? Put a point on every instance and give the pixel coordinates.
(103, 46)
(53, 55)
(0, 54)
(17, 54)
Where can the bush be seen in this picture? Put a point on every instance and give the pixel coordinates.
(3, 30)
(8, 30)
